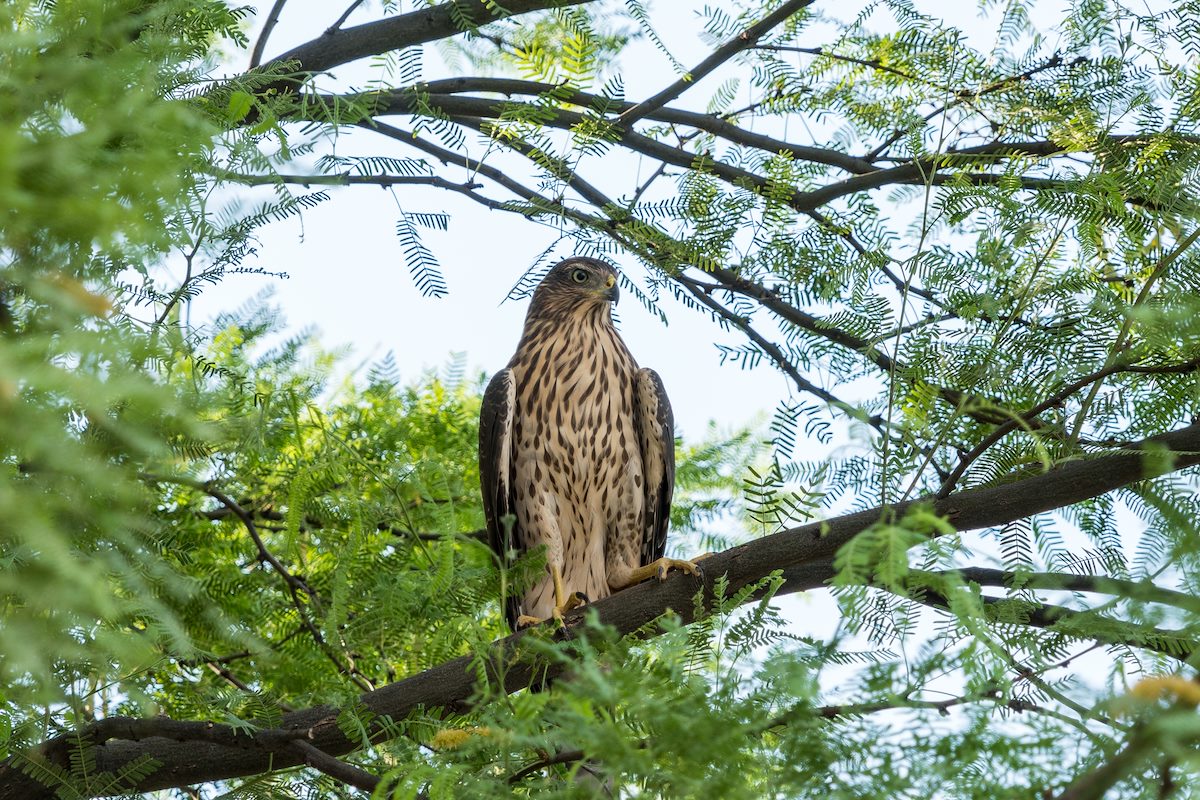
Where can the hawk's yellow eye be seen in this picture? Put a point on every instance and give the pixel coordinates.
(579, 275)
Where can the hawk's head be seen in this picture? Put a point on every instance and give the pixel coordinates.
(576, 284)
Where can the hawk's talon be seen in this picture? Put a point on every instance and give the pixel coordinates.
(574, 600)
(659, 569)
(665, 565)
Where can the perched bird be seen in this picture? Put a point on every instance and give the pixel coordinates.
(576, 450)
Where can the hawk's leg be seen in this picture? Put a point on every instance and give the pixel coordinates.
(563, 603)
(660, 568)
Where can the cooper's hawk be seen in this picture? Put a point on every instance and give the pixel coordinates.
(576, 450)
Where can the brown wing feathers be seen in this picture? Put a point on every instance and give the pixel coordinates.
(656, 429)
(495, 472)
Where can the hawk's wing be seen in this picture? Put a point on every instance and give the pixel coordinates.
(656, 434)
(496, 472)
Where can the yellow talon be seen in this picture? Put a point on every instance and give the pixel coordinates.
(660, 568)
(572, 602)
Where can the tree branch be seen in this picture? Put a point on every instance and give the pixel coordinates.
(1095, 783)
(347, 179)
(295, 585)
(709, 123)
(1027, 418)
(1144, 590)
(746, 39)
(268, 26)
(345, 15)
(477, 113)
(343, 45)
(777, 355)
(336, 768)
(965, 95)
(1050, 616)
(194, 752)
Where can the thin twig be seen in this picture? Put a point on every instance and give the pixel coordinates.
(561, 757)
(224, 674)
(1027, 418)
(777, 355)
(965, 95)
(189, 258)
(336, 26)
(746, 39)
(1119, 344)
(873, 64)
(346, 179)
(295, 585)
(268, 26)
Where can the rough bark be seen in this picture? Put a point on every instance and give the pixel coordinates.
(344, 45)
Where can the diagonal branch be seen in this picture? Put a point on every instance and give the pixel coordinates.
(345, 15)
(1141, 744)
(1027, 418)
(336, 768)
(268, 26)
(295, 585)
(194, 752)
(338, 46)
(777, 355)
(744, 40)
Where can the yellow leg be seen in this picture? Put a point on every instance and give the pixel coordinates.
(660, 568)
(559, 599)
(562, 602)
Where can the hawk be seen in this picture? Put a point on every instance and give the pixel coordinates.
(576, 450)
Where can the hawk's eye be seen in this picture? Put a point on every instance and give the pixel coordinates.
(579, 275)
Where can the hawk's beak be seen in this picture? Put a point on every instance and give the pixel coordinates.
(614, 293)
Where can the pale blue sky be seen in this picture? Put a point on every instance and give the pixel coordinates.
(348, 277)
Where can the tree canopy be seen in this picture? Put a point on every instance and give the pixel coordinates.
(230, 569)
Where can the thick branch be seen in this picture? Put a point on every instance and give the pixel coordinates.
(199, 752)
(339, 46)
(336, 768)
(709, 123)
